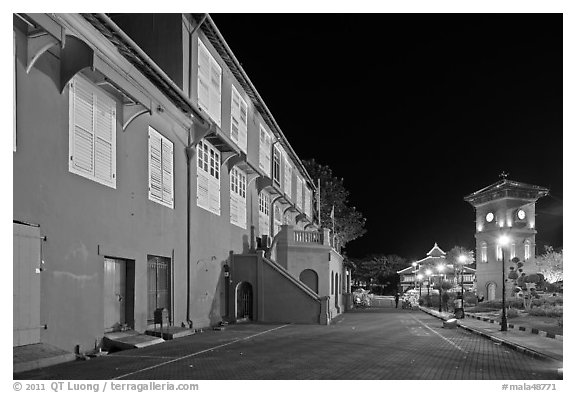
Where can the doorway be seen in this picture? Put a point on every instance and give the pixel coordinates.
(159, 279)
(244, 297)
(491, 290)
(118, 294)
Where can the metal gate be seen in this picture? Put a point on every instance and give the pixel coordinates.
(244, 300)
(158, 285)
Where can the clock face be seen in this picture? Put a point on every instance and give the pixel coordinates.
(490, 217)
(521, 214)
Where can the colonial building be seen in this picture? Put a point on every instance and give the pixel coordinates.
(506, 207)
(434, 268)
(145, 163)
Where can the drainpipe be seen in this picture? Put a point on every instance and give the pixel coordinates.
(189, 155)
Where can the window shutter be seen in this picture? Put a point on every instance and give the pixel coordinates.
(243, 126)
(299, 192)
(214, 186)
(105, 149)
(92, 140)
(288, 178)
(168, 172)
(82, 155)
(265, 151)
(216, 91)
(235, 116)
(203, 77)
(264, 213)
(155, 165)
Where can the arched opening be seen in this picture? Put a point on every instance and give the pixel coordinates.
(491, 291)
(310, 278)
(244, 300)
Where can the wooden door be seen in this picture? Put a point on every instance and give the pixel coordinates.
(26, 284)
(114, 294)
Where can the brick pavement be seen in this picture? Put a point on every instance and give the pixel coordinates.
(362, 344)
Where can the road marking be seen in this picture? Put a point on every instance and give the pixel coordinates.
(199, 352)
(441, 336)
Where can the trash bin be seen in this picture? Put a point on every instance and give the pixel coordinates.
(161, 317)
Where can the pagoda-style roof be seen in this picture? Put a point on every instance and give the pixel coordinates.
(505, 188)
(435, 251)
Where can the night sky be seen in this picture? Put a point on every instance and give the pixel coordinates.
(415, 112)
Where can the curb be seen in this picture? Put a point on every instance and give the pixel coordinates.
(539, 332)
(514, 346)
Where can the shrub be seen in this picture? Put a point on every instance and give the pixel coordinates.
(512, 313)
(547, 311)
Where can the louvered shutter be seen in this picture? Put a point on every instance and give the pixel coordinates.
(154, 165)
(288, 178)
(82, 141)
(234, 197)
(299, 192)
(203, 77)
(214, 184)
(265, 151)
(168, 172)
(264, 213)
(202, 178)
(242, 199)
(92, 133)
(216, 91)
(235, 116)
(243, 126)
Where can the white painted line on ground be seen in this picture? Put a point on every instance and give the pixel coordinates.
(199, 352)
(441, 336)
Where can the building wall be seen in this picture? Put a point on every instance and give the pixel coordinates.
(519, 232)
(85, 221)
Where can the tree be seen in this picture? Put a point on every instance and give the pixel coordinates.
(379, 270)
(550, 265)
(453, 256)
(348, 222)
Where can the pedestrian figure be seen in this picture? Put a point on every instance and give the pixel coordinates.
(396, 298)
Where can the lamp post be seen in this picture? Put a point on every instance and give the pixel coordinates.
(503, 240)
(462, 260)
(440, 270)
(428, 274)
(419, 277)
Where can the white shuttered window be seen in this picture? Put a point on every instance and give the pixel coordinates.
(288, 178)
(239, 121)
(308, 202)
(92, 136)
(238, 197)
(160, 169)
(278, 219)
(299, 202)
(208, 177)
(209, 84)
(264, 213)
(265, 150)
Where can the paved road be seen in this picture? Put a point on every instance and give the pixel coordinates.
(374, 343)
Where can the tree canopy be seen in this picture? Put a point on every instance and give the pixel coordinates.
(550, 265)
(348, 222)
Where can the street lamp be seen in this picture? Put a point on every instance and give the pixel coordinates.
(428, 274)
(462, 260)
(440, 270)
(419, 277)
(503, 240)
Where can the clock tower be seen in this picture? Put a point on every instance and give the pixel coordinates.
(505, 207)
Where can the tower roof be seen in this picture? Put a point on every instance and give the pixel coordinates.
(505, 188)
